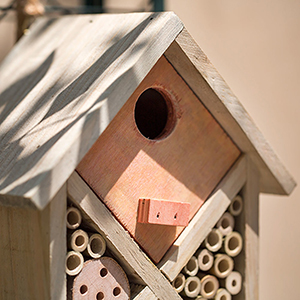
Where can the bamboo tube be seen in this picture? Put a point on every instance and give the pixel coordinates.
(213, 241)
(233, 283)
(209, 286)
(78, 240)
(226, 224)
(236, 206)
(223, 265)
(200, 298)
(233, 244)
(96, 246)
(73, 218)
(192, 286)
(179, 283)
(74, 263)
(223, 294)
(191, 268)
(205, 260)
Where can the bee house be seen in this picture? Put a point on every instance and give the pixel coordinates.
(123, 155)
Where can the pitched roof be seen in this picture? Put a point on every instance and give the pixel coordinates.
(64, 82)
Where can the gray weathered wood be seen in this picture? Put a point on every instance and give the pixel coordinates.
(145, 294)
(193, 65)
(205, 219)
(247, 262)
(33, 249)
(61, 86)
(118, 239)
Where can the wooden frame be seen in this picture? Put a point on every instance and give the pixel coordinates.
(136, 264)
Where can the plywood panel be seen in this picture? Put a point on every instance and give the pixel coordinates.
(123, 165)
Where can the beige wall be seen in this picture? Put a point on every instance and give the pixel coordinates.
(255, 46)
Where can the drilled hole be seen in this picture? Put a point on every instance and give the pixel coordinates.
(157, 216)
(103, 272)
(175, 216)
(116, 291)
(154, 114)
(100, 296)
(233, 283)
(83, 289)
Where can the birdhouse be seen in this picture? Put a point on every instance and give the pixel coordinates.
(121, 121)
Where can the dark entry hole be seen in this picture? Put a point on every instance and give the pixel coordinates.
(153, 114)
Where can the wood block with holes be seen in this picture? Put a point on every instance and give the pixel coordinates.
(163, 144)
(163, 212)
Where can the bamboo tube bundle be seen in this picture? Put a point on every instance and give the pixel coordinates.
(226, 224)
(74, 263)
(223, 265)
(236, 206)
(78, 240)
(233, 283)
(192, 287)
(191, 268)
(233, 244)
(213, 241)
(205, 260)
(223, 294)
(209, 286)
(179, 283)
(96, 246)
(73, 218)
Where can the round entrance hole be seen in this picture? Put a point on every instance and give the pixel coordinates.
(154, 114)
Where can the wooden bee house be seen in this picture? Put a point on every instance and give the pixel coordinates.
(112, 112)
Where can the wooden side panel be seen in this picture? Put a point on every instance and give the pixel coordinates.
(248, 261)
(186, 166)
(33, 249)
(118, 240)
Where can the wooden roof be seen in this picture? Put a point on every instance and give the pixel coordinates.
(63, 83)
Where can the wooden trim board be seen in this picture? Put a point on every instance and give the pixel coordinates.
(121, 242)
(208, 215)
(247, 263)
(201, 76)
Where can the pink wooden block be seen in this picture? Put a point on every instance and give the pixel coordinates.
(163, 212)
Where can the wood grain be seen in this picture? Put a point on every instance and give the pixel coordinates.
(205, 219)
(201, 76)
(123, 165)
(59, 89)
(33, 251)
(129, 255)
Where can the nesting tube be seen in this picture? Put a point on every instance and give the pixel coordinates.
(233, 244)
(74, 263)
(213, 241)
(233, 283)
(209, 286)
(223, 265)
(179, 283)
(192, 286)
(236, 206)
(96, 246)
(201, 298)
(226, 224)
(73, 218)
(191, 268)
(205, 260)
(223, 294)
(78, 240)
